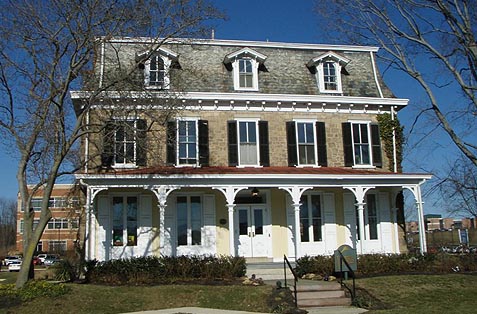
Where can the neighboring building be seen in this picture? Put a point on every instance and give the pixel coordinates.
(267, 137)
(61, 233)
(436, 222)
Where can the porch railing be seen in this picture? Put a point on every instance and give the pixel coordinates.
(286, 263)
(351, 290)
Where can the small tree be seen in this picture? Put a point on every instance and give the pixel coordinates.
(47, 49)
(8, 224)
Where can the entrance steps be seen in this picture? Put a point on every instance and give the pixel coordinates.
(310, 293)
(320, 293)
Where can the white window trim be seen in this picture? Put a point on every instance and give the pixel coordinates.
(236, 74)
(315, 147)
(167, 66)
(320, 77)
(255, 120)
(371, 161)
(196, 164)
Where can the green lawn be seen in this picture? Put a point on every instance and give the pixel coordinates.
(452, 293)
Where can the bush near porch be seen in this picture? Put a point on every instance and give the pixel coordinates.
(165, 270)
(387, 264)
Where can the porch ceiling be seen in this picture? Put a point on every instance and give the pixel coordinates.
(250, 176)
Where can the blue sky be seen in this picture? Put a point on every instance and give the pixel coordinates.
(272, 20)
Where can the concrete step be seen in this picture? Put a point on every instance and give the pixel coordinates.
(268, 271)
(324, 302)
(318, 286)
(320, 294)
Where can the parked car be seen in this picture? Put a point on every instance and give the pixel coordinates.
(51, 259)
(36, 260)
(10, 259)
(15, 265)
(42, 257)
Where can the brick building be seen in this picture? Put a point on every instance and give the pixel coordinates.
(61, 233)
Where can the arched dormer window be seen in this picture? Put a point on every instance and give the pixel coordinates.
(327, 68)
(156, 67)
(245, 65)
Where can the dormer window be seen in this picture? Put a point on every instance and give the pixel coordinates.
(245, 65)
(327, 68)
(156, 67)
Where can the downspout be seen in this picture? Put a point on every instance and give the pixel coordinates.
(395, 168)
(86, 143)
(101, 71)
(376, 75)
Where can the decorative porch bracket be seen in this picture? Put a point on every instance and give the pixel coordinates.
(162, 192)
(416, 191)
(230, 192)
(359, 192)
(296, 192)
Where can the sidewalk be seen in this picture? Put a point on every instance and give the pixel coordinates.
(198, 310)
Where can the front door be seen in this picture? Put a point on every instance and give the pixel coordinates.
(252, 231)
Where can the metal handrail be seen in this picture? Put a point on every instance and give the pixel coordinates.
(295, 277)
(353, 291)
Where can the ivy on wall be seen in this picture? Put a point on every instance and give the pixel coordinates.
(386, 127)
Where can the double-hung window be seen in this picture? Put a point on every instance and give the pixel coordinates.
(306, 142)
(248, 143)
(157, 71)
(362, 144)
(245, 73)
(327, 68)
(156, 66)
(311, 218)
(188, 142)
(330, 76)
(189, 220)
(124, 143)
(125, 220)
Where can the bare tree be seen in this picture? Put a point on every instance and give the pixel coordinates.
(47, 49)
(459, 188)
(8, 223)
(433, 42)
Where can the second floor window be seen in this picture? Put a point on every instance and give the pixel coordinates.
(124, 143)
(188, 142)
(248, 143)
(306, 143)
(362, 144)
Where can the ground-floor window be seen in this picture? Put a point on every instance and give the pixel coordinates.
(189, 220)
(57, 246)
(125, 212)
(311, 218)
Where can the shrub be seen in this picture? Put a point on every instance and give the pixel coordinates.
(166, 269)
(321, 265)
(32, 289)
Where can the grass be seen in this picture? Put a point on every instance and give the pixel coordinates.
(451, 293)
(85, 298)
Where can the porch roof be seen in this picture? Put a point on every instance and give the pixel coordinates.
(251, 176)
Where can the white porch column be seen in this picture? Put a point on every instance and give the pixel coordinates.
(359, 192)
(296, 210)
(416, 191)
(162, 192)
(230, 192)
(231, 209)
(296, 192)
(88, 209)
(362, 234)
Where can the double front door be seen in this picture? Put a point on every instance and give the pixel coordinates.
(253, 230)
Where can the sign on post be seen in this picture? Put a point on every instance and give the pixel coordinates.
(349, 254)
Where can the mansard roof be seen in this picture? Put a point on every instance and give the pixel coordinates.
(202, 67)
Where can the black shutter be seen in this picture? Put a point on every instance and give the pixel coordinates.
(171, 142)
(321, 144)
(291, 144)
(376, 146)
(203, 143)
(107, 155)
(264, 148)
(233, 145)
(347, 145)
(141, 152)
